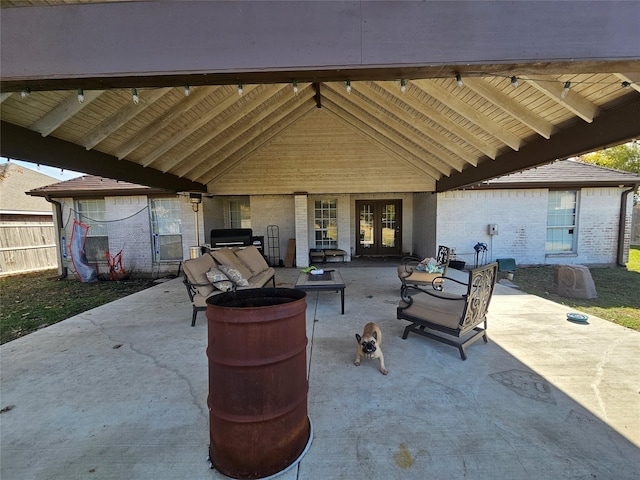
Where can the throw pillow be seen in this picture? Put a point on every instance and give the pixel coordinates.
(227, 257)
(214, 275)
(225, 286)
(235, 276)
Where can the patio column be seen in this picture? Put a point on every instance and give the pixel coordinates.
(302, 230)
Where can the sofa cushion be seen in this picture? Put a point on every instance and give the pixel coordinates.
(253, 259)
(196, 271)
(260, 280)
(437, 310)
(226, 257)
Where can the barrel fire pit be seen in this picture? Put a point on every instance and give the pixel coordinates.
(258, 387)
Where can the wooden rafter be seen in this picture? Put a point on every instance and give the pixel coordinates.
(454, 103)
(571, 101)
(63, 112)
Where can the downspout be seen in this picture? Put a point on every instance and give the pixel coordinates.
(58, 208)
(622, 224)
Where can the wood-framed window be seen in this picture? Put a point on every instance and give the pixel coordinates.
(166, 229)
(326, 223)
(562, 222)
(93, 212)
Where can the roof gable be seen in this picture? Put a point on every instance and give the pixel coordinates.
(95, 186)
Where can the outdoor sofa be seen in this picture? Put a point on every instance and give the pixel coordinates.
(226, 269)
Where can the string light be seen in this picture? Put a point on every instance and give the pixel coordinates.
(239, 88)
(565, 91)
(626, 85)
(295, 88)
(403, 85)
(25, 93)
(187, 90)
(80, 95)
(514, 81)
(348, 84)
(134, 94)
(459, 80)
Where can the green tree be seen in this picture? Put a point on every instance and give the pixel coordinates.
(621, 157)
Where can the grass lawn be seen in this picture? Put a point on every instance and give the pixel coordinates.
(618, 291)
(31, 301)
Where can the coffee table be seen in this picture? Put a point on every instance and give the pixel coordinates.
(329, 280)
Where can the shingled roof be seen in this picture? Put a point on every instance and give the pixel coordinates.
(94, 186)
(564, 174)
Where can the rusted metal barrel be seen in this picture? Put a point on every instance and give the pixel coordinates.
(258, 385)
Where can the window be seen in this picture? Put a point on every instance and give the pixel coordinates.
(326, 223)
(239, 213)
(562, 217)
(94, 214)
(166, 229)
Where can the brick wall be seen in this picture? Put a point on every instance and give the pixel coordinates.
(521, 215)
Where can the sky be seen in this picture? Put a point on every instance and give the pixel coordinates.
(45, 170)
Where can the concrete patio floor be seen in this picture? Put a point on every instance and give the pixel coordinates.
(120, 392)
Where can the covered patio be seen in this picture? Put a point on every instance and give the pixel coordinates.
(121, 392)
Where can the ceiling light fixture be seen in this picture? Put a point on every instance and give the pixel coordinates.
(459, 80)
(80, 95)
(403, 85)
(348, 84)
(240, 88)
(514, 81)
(134, 95)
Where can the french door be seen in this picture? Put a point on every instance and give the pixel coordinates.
(379, 224)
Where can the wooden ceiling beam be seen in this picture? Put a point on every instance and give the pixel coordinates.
(198, 165)
(163, 120)
(23, 144)
(389, 145)
(442, 141)
(442, 160)
(632, 77)
(63, 112)
(572, 101)
(511, 107)
(611, 127)
(122, 116)
(154, 158)
(442, 120)
(452, 102)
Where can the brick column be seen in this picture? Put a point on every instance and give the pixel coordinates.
(302, 231)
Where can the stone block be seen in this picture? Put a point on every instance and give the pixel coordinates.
(573, 281)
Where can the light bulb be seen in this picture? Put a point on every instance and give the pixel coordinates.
(514, 82)
(295, 87)
(25, 93)
(348, 84)
(403, 86)
(626, 84)
(134, 94)
(187, 91)
(565, 91)
(239, 88)
(80, 95)
(459, 80)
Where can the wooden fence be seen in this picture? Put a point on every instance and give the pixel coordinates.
(27, 246)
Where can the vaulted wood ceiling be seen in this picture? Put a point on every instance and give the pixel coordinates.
(435, 132)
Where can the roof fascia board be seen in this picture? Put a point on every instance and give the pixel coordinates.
(253, 41)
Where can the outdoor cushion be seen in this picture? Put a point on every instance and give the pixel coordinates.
(228, 258)
(260, 280)
(252, 258)
(196, 270)
(444, 312)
